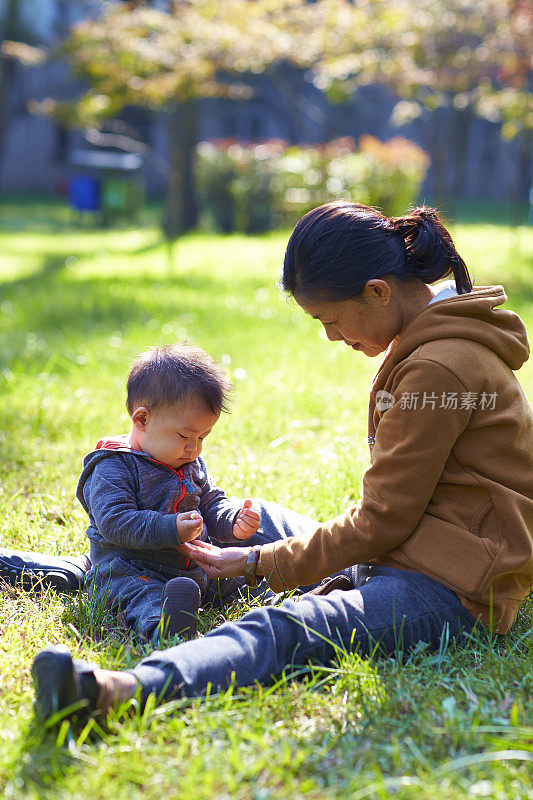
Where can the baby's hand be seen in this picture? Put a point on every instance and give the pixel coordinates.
(189, 526)
(247, 522)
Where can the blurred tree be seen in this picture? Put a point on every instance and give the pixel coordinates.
(137, 55)
(468, 57)
(474, 60)
(12, 26)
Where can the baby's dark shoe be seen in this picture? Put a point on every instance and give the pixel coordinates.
(61, 682)
(181, 603)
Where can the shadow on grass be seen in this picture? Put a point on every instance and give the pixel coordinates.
(54, 307)
(40, 765)
(44, 214)
(59, 308)
(488, 212)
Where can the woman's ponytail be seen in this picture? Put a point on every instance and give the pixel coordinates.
(429, 249)
(335, 249)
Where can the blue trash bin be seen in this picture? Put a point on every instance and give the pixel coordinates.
(84, 193)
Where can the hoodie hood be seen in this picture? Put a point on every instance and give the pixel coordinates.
(107, 447)
(104, 448)
(473, 317)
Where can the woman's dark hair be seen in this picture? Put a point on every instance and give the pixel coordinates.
(165, 377)
(336, 248)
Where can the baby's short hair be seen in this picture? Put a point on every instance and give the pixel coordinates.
(165, 377)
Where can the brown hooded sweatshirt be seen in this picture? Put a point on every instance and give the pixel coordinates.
(450, 488)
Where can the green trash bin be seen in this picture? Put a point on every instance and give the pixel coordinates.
(121, 196)
(120, 181)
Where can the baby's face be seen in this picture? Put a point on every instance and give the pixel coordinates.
(175, 436)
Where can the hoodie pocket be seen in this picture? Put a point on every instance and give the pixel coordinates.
(484, 524)
(452, 555)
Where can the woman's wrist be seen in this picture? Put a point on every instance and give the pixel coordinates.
(250, 567)
(258, 570)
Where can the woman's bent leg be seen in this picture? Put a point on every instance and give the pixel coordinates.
(394, 607)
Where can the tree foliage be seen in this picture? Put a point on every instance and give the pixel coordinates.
(137, 55)
(459, 53)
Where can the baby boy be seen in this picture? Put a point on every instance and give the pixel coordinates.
(148, 491)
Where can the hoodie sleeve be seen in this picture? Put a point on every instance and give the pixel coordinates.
(218, 510)
(408, 458)
(109, 493)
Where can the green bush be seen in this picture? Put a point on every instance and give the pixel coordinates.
(237, 184)
(256, 187)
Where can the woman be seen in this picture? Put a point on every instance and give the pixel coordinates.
(443, 531)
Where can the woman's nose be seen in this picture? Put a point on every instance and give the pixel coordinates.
(332, 333)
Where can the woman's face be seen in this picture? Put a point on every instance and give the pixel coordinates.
(368, 324)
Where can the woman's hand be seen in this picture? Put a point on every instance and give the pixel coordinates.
(217, 562)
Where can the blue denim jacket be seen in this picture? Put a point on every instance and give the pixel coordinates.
(132, 501)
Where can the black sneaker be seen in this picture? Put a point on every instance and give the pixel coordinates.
(33, 570)
(60, 682)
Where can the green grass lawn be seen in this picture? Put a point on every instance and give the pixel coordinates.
(77, 304)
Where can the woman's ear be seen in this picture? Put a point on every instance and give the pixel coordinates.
(378, 289)
(140, 417)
